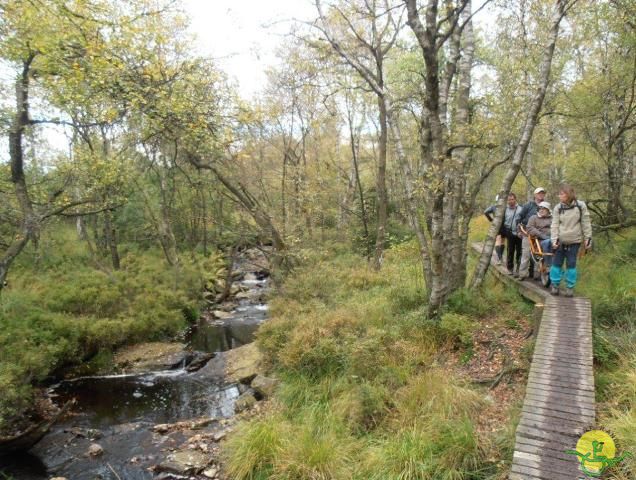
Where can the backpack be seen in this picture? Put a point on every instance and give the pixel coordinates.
(562, 209)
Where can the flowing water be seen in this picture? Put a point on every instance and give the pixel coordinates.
(119, 411)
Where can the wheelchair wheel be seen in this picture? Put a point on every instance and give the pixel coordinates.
(545, 274)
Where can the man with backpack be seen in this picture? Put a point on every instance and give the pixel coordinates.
(528, 211)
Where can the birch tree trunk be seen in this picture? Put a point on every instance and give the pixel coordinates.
(370, 69)
(354, 142)
(380, 240)
(110, 234)
(461, 158)
(168, 240)
(524, 140)
(411, 199)
(30, 223)
(440, 171)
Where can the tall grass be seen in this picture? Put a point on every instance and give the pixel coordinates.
(361, 394)
(608, 278)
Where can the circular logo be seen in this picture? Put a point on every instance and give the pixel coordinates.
(596, 450)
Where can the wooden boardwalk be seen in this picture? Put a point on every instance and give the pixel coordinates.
(559, 404)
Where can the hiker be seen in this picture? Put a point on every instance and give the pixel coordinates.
(509, 231)
(571, 226)
(527, 211)
(499, 242)
(539, 227)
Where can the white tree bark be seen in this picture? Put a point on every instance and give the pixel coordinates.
(562, 6)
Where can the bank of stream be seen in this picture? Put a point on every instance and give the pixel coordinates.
(163, 423)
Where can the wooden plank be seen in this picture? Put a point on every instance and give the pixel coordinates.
(545, 447)
(570, 370)
(544, 365)
(554, 353)
(567, 375)
(552, 398)
(550, 454)
(584, 411)
(567, 338)
(582, 374)
(527, 472)
(575, 319)
(571, 362)
(543, 394)
(559, 384)
(565, 360)
(564, 336)
(579, 410)
(517, 476)
(565, 333)
(555, 330)
(556, 318)
(579, 359)
(564, 379)
(542, 387)
(548, 465)
(550, 428)
(563, 344)
(564, 340)
(564, 438)
(551, 423)
(560, 388)
(556, 365)
(541, 417)
(551, 413)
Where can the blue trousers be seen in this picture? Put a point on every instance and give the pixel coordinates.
(567, 253)
(546, 247)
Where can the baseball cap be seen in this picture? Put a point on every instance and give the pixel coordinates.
(545, 205)
(538, 190)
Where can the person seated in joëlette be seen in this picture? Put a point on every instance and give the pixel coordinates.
(539, 227)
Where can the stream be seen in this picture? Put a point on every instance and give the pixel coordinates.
(122, 413)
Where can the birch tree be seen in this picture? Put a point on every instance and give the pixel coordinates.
(445, 181)
(602, 103)
(561, 7)
(368, 32)
(57, 47)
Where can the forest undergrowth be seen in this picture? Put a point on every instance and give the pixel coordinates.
(59, 310)
(608, 278)
(371, 389)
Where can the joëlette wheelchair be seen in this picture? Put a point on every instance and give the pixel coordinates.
(538, 257)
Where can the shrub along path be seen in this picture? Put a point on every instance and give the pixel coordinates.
(559, 405)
